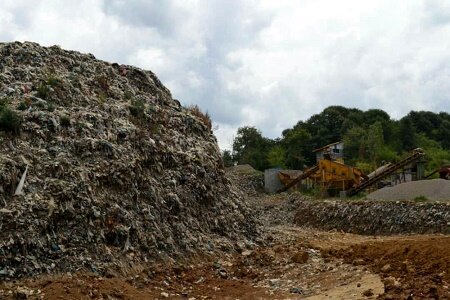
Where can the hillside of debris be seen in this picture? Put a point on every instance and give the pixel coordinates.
(99, 165)
(374, 217)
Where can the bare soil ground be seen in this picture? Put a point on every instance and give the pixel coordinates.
(296, 263)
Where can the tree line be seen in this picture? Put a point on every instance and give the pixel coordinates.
(370, 138)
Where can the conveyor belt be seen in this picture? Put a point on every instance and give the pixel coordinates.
(304, 175)
(417, 154)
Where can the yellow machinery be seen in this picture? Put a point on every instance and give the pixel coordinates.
(329, 174)
(333, 175)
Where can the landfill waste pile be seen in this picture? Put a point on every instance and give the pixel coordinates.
(276, 209)
(375, 217)
(246, 179)
(435, 189)
(100, 168)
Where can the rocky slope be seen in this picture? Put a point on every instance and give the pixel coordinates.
(100, 167)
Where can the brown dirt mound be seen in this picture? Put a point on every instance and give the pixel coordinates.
(418, 268)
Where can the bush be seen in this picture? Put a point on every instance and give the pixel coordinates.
(53, 81)
(64, 121)
(50, 107)
(204, 117)
(22, 106)
(43, 90)
(10, 121)
(128, 95)
(3, 104)
(137, 108)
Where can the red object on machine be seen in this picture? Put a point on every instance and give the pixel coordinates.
(444, 172)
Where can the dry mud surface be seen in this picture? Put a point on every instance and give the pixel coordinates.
(295, 263)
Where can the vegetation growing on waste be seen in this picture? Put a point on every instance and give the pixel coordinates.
(64, 121)
(204, 117)
(420, 198)
(137, 108)
(370, 137)
(44, 88)
(22, 106)
(10, 121)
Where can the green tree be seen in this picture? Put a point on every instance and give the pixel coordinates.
(375, 142)
(297, 145)
(355, 145)
(407, 134)
(276, 157)
(227, 158)
(444, 134)
(436, 155)
(250, 147)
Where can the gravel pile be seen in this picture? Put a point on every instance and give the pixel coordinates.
(106, 170)
(375, 217)
(436, 189)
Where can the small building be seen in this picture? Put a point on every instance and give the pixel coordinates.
(335, 151)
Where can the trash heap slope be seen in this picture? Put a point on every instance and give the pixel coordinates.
(115, 169)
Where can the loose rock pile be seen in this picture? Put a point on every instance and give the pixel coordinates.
(107, 166)
(375, 217)
(436, 189)
(248, 180)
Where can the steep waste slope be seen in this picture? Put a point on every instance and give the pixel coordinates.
(114, 168)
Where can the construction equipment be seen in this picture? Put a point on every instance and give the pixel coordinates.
(304, 175)
(331, 174)
(415, 156)
(335, 175)
(444, 172)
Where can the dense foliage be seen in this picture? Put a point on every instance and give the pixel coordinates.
(370, 137)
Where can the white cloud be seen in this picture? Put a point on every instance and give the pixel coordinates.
(263, 63)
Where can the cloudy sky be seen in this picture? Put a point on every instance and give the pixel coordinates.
(262, 63)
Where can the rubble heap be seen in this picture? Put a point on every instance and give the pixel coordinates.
(105, 167)
(246, 179)
(375, 217)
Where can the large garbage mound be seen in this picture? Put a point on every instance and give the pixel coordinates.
(435, 189)
(375, 217)
(105, 168)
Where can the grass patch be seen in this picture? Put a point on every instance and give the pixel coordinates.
(204, 117)
(420, 198)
